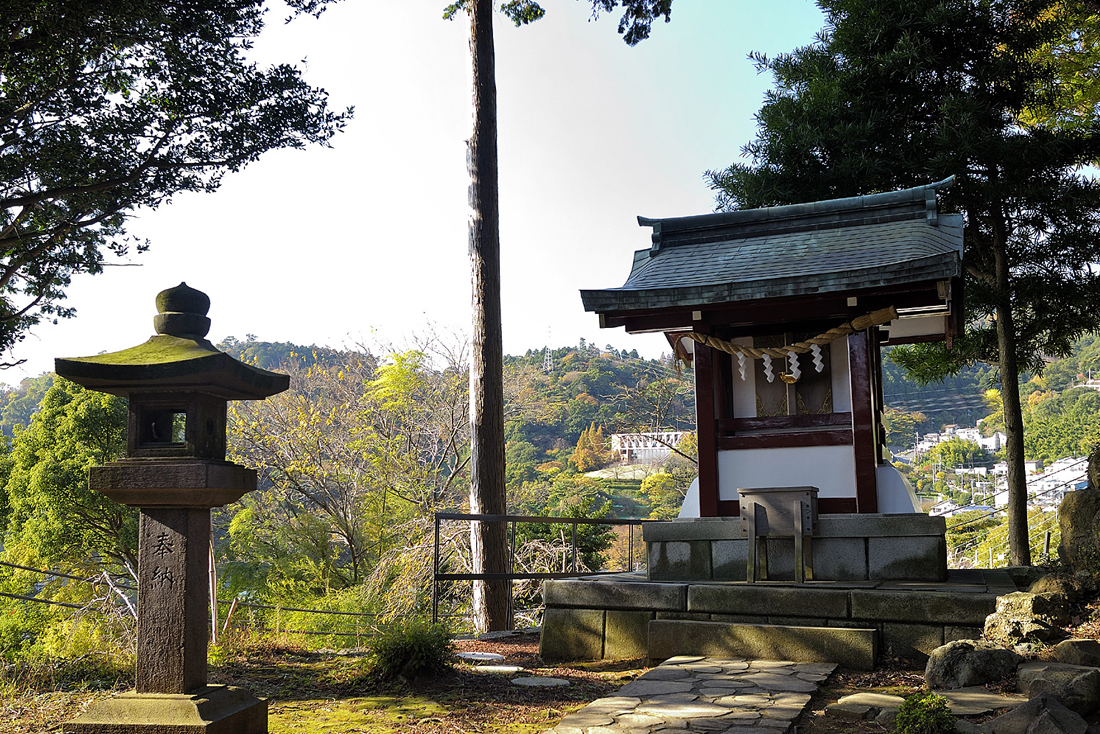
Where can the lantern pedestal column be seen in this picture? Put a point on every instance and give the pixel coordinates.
(173, 596)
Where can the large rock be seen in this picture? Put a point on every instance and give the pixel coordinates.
(1077, 686)
(1050, 608)
(1069, 586)
(1078, 652)
(1079, 521)
(1043, 714)
(969, 663)
(1023, 616)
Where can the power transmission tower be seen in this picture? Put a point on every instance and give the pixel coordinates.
(547, 360)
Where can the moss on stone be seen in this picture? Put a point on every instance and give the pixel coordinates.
(158, 350)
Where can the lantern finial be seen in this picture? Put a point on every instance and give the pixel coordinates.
(182, 312)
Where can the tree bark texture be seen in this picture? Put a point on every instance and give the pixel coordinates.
(487, 492)
(1018, 544)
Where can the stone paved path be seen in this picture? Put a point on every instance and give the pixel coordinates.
(711, 695)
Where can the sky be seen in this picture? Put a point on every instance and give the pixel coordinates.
(365, 242)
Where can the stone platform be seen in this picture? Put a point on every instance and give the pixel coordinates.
(849, 622)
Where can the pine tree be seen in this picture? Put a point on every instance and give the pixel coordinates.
(894, 95)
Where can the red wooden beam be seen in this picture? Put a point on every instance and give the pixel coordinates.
(706, 426)
(794, 439)
(864, 440)
(816, 420)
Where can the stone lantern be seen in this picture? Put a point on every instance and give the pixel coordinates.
(178, 385)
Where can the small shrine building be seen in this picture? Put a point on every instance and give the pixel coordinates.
(782, 312)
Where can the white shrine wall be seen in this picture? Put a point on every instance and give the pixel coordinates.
(831, 469)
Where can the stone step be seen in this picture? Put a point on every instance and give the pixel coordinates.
(849, 647)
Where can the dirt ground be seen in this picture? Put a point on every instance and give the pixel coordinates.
(329, 693)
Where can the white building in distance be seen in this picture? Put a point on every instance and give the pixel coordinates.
(645, 448)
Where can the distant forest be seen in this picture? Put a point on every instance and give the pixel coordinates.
(619, 391)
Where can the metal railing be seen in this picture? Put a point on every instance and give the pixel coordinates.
(511, 574)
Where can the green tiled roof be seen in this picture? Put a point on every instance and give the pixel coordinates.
(874, 241)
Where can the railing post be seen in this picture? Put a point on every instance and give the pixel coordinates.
(629, 548)
(512, 570)
(435, 574)
(1046, 544)
(574, 567)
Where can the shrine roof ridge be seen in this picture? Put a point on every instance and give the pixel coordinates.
(918, 202)
(879, 241)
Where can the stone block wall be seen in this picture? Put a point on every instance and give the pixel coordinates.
(608, 617)
(845, 548)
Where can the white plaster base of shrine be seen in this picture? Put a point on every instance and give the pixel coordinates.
(895, 494)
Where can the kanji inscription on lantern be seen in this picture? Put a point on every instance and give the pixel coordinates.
(162, 576)
(163, 545)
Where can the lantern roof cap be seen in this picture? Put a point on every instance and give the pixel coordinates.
(178, 359)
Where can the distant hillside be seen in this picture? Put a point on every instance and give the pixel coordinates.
(956, 400)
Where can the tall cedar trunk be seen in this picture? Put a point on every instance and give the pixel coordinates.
(487, 494)
(1018, 544)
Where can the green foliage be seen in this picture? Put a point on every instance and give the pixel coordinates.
(22, 623)
(350, 459)
(53, 516)
(619, 392)
(108, 107)
(1075, 367)
(275, 355)
(902, 427)
(634, 26)
(411, 649)
(592, 540)
(1062, 425)
(1071, 103)
(48, 675)
(34, 631)
(55, 520)
(664, 495)
(968, 528)
(278, 556)
(958, 452)
(522, 12)
(925, 713)
(980, 539)
(934, 90)
(916, 378)
(19, 404)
